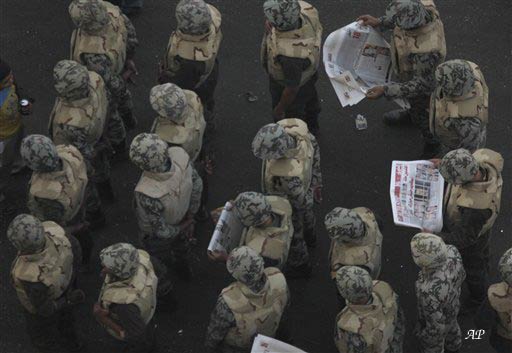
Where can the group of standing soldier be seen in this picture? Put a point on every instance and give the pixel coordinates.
(87, 129)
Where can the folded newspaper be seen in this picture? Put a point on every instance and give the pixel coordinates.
(357, 58)
(228, 231)
(264, 344)
(416, 191)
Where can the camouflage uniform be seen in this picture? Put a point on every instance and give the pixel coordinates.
(438, 289)
(373, 320)
(91, 18)
(247, 267)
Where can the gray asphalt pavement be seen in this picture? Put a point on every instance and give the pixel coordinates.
(356, 164)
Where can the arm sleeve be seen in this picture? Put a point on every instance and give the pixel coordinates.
(221, 320)
(292, 69)
(355, 343)
(431, 335)
(48, 210)
(294, 190)
(79, 138)
(132, 41)
(197, 189)
(39, 297)
(129, 318)
(316, 180)
(469, 131)
(154, 211)
(465, 232)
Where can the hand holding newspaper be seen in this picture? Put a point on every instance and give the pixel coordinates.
(227, 233)
(264, 344)
(416, 191)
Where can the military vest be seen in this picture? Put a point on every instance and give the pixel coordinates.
(484, 195)
(66, 186)
(256, 313)
(302, 43)
(500, 297)
(203, 48)
(375, 322)
(475, 104)
(10, 116)
(426, 39)
(112, 40)
(367, 253)
(298, 164)
(140, 290)
(52, 267)
(89, 113)
(173, 189)
(272, 242)
(187, 134)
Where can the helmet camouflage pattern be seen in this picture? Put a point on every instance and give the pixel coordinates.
(89, 15)
(26, 233)
(71, 80)
(193, 17)
(505, 267)
(169, 101)
(39, 153)
(458, 167)
(345, 225)
(428, 250)
(408, 14)
(284, 15)
(245, 265)
(149, 153)
(455, 77)
(120, 259)
(354, 284)
(272, 142)
(252, 208)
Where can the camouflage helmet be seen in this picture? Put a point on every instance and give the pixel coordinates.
(39, 153)
(71, 80)
(26, 233)
(245, 265)
(252, 208)
(455, 77)
(505, 267)
(283, 14)
(408, 14)
(91, 16)
(428, 250)
(354, 284)
(149, 153)
(193, 17)
(458, 167)
(272, 142)
(169, 101)
(345, 225)
(120, 259)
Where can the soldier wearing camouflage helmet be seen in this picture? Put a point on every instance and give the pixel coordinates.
(418, 46)
(167, 197)
(252, 305)
(373, 320)
(290, 54)
(459, 106)
(104, 41)
(43, 274)
(291, 168)
(438, 289)
(127, 300)
(472, 204)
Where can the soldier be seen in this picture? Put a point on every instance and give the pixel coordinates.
(252, 305)
(43, 275)
(104, 41)
(127, 300)
(418, 46)
(290, 54)
(438, 290)
(167, 197)
(459, 106)
(291, 168)
(472, 202)
(373, 320)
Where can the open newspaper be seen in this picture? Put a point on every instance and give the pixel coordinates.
(416, 191)
(264, 344)
(357, 58)
(228, 231)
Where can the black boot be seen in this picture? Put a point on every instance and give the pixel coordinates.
(397, 117)
(105, 190)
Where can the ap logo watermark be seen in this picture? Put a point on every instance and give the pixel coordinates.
(475, 334)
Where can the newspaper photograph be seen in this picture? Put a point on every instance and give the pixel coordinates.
(264, 344)
(228, 231)
(357, 58)
(416, 191)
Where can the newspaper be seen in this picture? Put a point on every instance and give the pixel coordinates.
(228, 231)
(264, 344)
(416, 191)
(356, 58)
